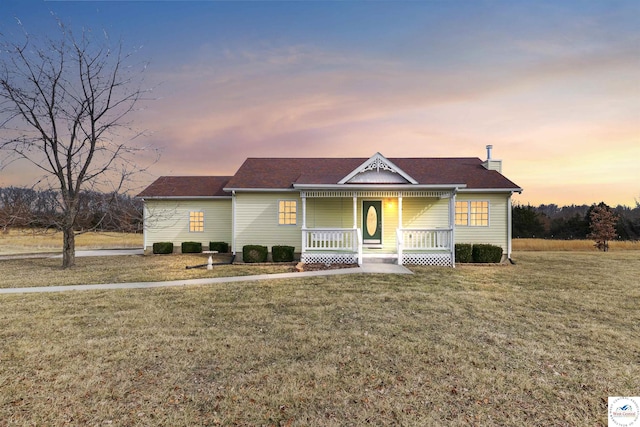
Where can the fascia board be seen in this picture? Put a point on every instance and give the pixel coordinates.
(349, 187)
(185, 197)
(491, 190)
(265, 190)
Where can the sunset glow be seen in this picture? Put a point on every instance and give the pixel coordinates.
(553, 86)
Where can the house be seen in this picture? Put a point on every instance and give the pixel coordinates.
(409, 210)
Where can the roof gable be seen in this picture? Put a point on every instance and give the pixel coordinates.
(377, 170)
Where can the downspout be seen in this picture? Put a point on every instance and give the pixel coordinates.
(509, 228)
(233, 222)
(144, 225)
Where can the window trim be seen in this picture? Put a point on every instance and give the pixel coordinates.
(469, 214)
(196, 224)
(287, 214)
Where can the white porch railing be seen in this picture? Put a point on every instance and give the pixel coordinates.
(333, 239)
(428, 246)
(328, 243)
(421, 246)
(425, 238)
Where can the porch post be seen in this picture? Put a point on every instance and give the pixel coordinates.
(400, 211)
(304, 210)
(452, 225)
(303, 195)
(355, 210)
(399, 236)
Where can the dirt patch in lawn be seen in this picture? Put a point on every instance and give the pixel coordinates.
(319, 266)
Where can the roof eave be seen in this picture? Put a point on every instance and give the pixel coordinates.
(378, 186)
(182, 197)
(491, 190)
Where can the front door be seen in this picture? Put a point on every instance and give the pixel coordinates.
(372, 222)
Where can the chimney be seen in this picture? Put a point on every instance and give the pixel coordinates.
(492, 165)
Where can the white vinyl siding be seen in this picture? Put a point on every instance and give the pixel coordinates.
(496, 232)
(169, 220)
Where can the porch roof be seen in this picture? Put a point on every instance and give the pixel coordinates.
(285, 173)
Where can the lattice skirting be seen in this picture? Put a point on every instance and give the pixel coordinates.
(328, 258)
(427, 259)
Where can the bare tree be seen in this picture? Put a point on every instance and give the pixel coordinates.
(63, 104)
(603, 226)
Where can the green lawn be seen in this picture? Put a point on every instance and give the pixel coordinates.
(544, 342)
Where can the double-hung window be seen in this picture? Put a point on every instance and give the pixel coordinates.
(196, 222)
(474, 213)
(287, 212)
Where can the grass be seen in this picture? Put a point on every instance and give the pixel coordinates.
(544, 342)
(20, 241)
(121, 269)
(570, 245)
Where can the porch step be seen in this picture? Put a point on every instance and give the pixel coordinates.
(379, 259)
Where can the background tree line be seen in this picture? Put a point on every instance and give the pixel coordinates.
(571, 222)
(29, 208)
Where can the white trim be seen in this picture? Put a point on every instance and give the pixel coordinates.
(233, 222)
(266, 190)
(278, 213)
(490, 190)
(389, 187)
(468, 202)
(377, 158)
(185, 197)
(509, 226)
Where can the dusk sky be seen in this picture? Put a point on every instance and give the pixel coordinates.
(554, 86)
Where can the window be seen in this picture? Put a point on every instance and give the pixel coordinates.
(287, 214)
(472, 213)
(196, 222)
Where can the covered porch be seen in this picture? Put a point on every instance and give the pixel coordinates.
(403, 226)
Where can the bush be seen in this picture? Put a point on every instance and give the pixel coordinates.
(282, 253)
(220, 247)
(254, 253)
(163, 248)
(486, 253)
(191, 247)
(464, 252)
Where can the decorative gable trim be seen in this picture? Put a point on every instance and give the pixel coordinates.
(378, 170)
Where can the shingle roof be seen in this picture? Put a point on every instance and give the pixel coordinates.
(187, 186)
(271, 173)
(283, 173)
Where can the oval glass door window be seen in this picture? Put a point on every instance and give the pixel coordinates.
(372, 221)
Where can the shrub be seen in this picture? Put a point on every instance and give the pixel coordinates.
(483, 253)
(163, 248)
(191, 247)
(254, 253)
(464, 252)
(282, 253)
(221, 247)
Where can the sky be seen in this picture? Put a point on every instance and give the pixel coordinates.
(553, 86)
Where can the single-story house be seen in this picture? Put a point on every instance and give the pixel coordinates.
(409, 210)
